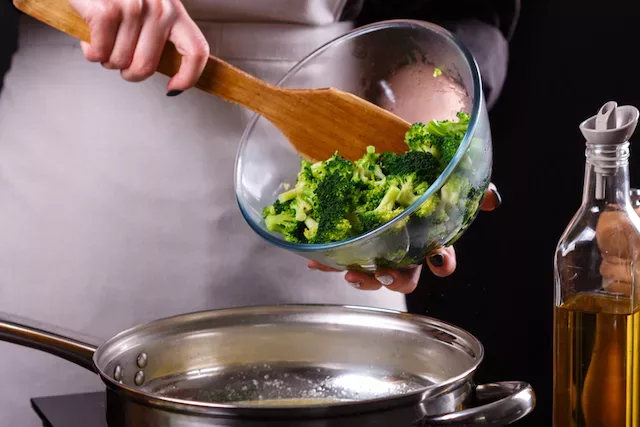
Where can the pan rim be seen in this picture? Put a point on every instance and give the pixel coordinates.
(305, 411)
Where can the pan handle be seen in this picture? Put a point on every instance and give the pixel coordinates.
(49, 339)
(498, 404)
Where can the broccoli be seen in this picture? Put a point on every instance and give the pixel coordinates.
(429, 207)
(335, 194)
(301, 208)
(306, 185)
(311, 228)
(418, 138)
(384, 212)
(284, 223)
(449, 127)
(455, 190)
(423, 165)
(440, 138)
(367, 169)
(336, 199)
(472, 204)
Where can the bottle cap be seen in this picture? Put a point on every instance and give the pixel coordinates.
(612, 124)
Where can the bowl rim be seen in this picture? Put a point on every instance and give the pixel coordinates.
(435, 186)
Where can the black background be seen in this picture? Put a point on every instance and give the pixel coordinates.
(568, 57)
(8, 35)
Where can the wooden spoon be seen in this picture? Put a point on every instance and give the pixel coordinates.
(317, 122)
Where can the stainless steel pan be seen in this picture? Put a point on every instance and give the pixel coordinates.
(295, 365)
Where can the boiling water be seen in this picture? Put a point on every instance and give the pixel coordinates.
(285, 385)
(288, 402)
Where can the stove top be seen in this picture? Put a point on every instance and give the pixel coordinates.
(74, 410)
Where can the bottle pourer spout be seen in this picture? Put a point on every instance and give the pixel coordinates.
(612, 124)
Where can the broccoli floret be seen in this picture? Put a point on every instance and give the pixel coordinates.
(428, 207)
(337, 164)
(472, 204)
(448, 127)
(424, 166)
(448, 146)
(410, 190)
(305, 173)
(286, 224)
(384, 212)
(341, 229)
(406, 197)
(448, 135)
(455, 189)
(335, 195)
(301, 208)
(440, 138)
(311, 228)
(418, 138)
(305, 187)
(367, 169)
(279, 207)
(369, 198)
(411, 172)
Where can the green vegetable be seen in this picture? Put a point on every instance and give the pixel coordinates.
(437, 72)
(440, 138)
(336, 199)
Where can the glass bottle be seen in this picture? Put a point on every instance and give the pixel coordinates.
(597, 298)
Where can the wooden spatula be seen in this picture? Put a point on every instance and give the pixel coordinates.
(317, 122)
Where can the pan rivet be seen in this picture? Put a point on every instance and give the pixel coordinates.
(142, 360)
(139, 378)
(117, 373)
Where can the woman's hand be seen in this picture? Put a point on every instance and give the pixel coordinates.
(130, 35)
(442, 263)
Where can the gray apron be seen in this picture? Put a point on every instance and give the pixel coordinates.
(117, 204)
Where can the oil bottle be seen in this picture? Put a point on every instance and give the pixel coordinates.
(597, 292)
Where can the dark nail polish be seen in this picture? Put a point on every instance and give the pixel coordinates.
(437, 260)
(174, 92)
(498, 198)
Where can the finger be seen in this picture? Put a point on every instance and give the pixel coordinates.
(127, 37)
(362, 281)
(491, 200)
(403, 281)
(158, 19)
(103, 20)
(317, 266)
(192, 45)
(442, 262)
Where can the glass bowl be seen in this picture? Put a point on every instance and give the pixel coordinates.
(420, 72)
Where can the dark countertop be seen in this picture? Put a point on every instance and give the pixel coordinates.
(73, 410)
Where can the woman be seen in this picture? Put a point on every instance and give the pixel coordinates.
(116, 201)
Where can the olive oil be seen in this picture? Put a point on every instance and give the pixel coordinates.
(597, 286)
(596, 361)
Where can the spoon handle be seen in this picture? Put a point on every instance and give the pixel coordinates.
(218, 78)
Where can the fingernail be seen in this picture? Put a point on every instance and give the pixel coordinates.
(498, 198)
(174, 92)
(355, 284)
(437, 260)
(386, 280)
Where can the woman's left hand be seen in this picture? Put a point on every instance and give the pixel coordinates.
(441, 262)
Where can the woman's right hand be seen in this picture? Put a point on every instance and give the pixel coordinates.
(130, 35)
